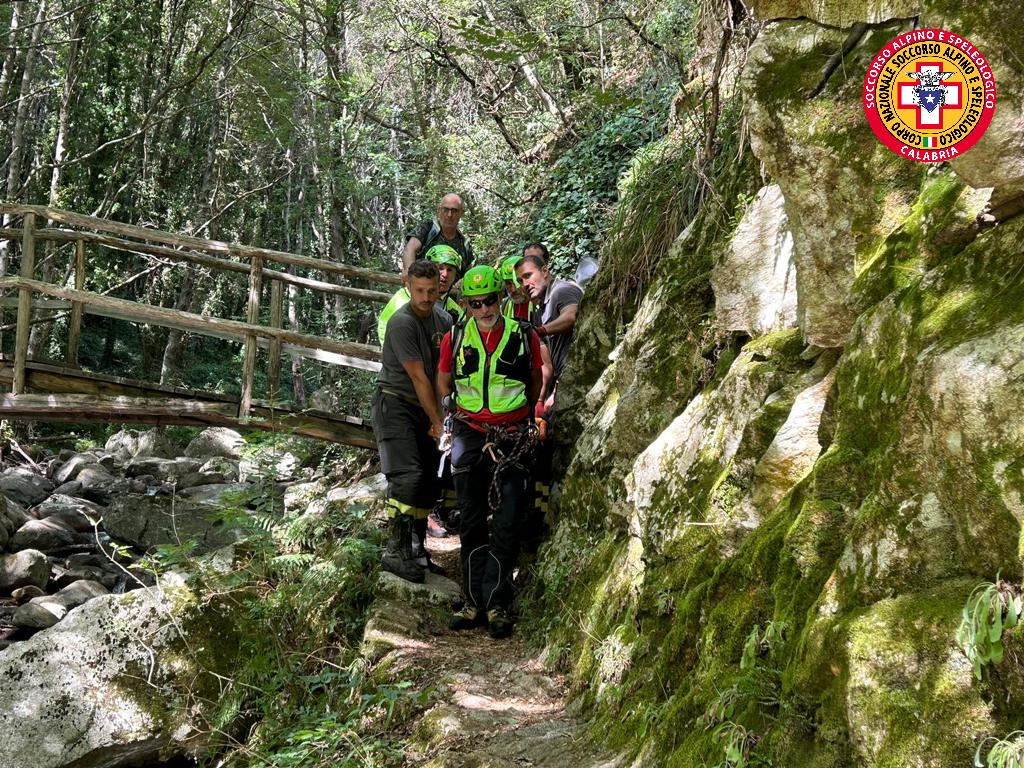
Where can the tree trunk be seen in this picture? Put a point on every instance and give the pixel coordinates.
(173, 362)
(14, 160)
(11, 58)
(70, 86)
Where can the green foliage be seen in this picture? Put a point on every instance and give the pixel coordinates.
(990, 610)
(300, 696)
(583, 185)
(754, 698)
(1007, 752)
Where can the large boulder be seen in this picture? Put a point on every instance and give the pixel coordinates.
(129, 443)
(46, 535)
(76, 513)
(216, 441)
(197, 515)
(24, 486)
(104, 686)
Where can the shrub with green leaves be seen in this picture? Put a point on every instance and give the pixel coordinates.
(1007, 752)
(991, 609)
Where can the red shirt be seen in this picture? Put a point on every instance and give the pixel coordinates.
(491, 339)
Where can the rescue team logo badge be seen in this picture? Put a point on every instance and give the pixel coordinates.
(929, 95)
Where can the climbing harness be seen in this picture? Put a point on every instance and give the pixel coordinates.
(508, 447)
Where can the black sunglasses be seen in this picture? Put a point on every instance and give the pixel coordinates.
(490, 301)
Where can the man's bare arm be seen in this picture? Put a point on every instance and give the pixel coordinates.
(564, 322)
(412, 247)
(424, 393)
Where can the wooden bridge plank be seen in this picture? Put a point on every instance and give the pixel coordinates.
(212, 246)
(183, 411)
(224, 265)
(232, 330)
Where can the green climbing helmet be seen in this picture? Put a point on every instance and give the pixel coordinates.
(445, 254)
(508, 269)
(480, 281)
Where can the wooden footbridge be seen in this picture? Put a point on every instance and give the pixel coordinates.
(51, 251)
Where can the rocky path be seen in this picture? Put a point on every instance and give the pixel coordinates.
(493, 704)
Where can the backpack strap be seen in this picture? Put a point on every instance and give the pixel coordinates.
(458, 331)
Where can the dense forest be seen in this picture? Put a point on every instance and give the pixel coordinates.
(331, 128)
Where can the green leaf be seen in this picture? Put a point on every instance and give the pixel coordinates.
(1012, 611)
(995, 630)
(996, 654)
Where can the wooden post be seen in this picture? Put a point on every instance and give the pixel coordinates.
(252, 317)
(28, 264)
(75, 322)
(274, 354)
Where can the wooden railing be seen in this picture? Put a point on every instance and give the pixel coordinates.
(43, 224)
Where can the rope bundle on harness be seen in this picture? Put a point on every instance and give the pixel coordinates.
(507, 448)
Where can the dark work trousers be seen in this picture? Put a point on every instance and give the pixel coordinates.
(489, 550)
(408, 454)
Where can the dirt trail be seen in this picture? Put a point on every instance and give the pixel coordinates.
(493, 703)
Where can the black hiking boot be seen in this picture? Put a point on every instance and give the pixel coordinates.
(499, 623)
(468, 617)
(398, 556)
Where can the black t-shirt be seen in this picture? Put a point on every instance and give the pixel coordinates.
(460, 242)
(411, 338)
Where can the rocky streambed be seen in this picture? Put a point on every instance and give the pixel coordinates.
(77, 525)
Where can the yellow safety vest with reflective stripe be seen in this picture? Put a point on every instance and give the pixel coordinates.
(496, 382)
(400, 299)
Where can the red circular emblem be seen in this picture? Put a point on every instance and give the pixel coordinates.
(929, 95)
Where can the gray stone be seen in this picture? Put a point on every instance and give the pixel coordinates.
(69, 469)
(755, 283)
(147, 520)
(77, 513)
(194, 479)
(221, 465)
(38, 615)
(164, 470)
(129, 443)
(24, 594)
(77, 593)
(101, 688)
(24, 486)
(794, 449)
(70, 488)
(29, 567)
(94, 476)
(216, 441)
(45, 535)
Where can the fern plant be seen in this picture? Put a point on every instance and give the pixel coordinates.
(991, 609)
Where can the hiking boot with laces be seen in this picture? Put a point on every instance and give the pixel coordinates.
(499, 623)
(468, 617)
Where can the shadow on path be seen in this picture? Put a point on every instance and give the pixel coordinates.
(493, 703)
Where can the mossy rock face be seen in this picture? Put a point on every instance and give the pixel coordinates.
(842, 15)
(812, 137)
(930, 392)
(910, 694)
(996, 30)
